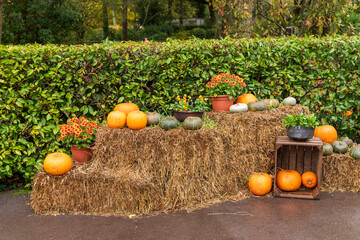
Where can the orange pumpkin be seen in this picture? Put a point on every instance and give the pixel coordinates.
(126, 107)
(327, 133)
(309, 179)
(288, 180)
(246, 98)
(136, 120)
(57, 163)
(348, 113)
(260, 183)
(116, 119)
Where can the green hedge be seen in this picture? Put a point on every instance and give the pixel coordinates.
(43, 85)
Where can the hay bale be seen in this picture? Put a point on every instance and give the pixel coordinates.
(166, 170)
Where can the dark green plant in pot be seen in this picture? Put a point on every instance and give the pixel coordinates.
(300, 126)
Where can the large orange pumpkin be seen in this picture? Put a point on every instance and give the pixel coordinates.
(288, 180)
(57, 163)
(246, 98)
(126, 107)
(116, 119)
(309, 179)
(136, 120)
(327, 133)
(260, 183)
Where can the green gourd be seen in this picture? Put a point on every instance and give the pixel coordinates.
(192, 123)
(327, 149)
(355, 152)
(257, 106)
(340, 146)
(153, 118)
(168, 123)
(271, 103)
(348, 141)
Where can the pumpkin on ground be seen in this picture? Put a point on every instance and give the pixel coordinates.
(309, 179)
(246, 98)
(136, 120)
(327, 149)
(289, 101)
(116, 119)
(327, 133)
(260, 183)
(192, 123)
(355, 152)
(153, 118)
(57, 163)
(340, 146)
(257, 106)
(288, 180)
(168, 123)
(238, 108)
(348, 141)
(126, 107)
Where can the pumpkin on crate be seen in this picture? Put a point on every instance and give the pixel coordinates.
(327, 133)
(136, 120)
(339, 146)
(168, 123)
(327, 149)
(257, 106)
(192, 123)
(153, 118)
(126, 107)
(355, 152)
(309, 179)
(246, 98)
(57, 163)
(238, 108)
(288, 180)
(260, 183)
(116, 119)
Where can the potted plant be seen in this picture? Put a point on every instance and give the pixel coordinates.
(188, 106)
(79, 134)
(222, 89)
(300, 126)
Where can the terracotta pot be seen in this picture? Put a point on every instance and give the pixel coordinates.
(181, 115)
(221, 103)
(82, 155)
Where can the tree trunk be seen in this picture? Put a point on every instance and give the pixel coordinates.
(124, 20)
(169, 13)
(1, 19)
(181, 15)
(113, 10)
(212, 13)
(105, 19)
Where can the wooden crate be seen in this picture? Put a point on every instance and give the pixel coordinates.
(302, 157)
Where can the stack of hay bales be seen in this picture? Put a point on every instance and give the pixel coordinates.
(152, 170)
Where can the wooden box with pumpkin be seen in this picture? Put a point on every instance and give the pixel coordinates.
(301, 156)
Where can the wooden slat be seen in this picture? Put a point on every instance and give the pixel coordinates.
(314, 159)
(307, 159)
(300, 160)
(286, 156)
(292, 157)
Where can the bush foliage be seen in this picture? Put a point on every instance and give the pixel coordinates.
(44, 85)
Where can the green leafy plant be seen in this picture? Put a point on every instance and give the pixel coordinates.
(225, 84)
(188, 103)
(301, 120)
(79, 132)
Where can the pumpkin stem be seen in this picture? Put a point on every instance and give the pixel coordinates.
(309, 182)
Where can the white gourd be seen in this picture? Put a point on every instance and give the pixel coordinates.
(289, 101)
(238, 108)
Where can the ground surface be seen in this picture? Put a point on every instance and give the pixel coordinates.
(334, 216)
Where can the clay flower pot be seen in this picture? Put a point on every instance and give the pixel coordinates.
(82, 155)
(221, 103)
(181, 115)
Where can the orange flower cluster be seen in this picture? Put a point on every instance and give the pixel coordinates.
(226, 78)
(78, 128)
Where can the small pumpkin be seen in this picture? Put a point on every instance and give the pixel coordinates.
(136, 120)
(289, 101)
(257, 106)
(116, 119)
(126, 107)
(271, 103)
(348, 141)
(309, 179)
(238, 108)
(246, 98)
(355, 152)
(168, 123)
(327, 133)
(339, 146)
(57, 163)
(153, 118)
(192, 123)
(260, 183)
(288, 180)
(327, 149)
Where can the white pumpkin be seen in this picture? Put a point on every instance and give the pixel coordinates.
(239, 107)
(289, 101)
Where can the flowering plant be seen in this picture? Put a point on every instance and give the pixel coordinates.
(225, 84)
(79, 132)
(188, 103)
